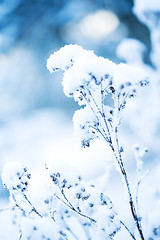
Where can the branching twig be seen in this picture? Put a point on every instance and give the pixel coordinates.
(131, 234)
(121, 165)
(132, 206)
(68, 204)
(33, 208)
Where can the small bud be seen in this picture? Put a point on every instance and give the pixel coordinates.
(78, 195)
(106, 76)
(58, 174)
(121, 86)
(46, 201)
(91, 205)
(112, 89)
(128, 84)
(34, 228)
(29, 176)
(121, 149)
(111, 112)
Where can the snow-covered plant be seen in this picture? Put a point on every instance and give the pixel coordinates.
(59, 204)
(91, 80)
(56, 202)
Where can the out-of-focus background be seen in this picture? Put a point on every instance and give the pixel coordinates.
(35, 116)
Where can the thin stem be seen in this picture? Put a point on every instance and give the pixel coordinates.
(63, 201)
(137, 190)
(20, 237)
(121, 165)
(102, 97)
(68, 204)
(33, 208)
(132, 206)
(98, 130)
(72, 208)
(118, 158)
(122, 221)
(127, 229)
(95, 112)
(102, 115)
(124, 174)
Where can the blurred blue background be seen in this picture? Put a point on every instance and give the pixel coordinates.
(31, 99)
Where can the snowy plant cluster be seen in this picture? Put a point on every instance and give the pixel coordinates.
(57, 203)
(89, 79)
(65, 203)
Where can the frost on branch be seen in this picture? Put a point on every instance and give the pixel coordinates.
(102, 88)
(89, 79)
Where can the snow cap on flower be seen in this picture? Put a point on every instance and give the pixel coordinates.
(65, 57)
(15, 175)
(129, 75)
(89, 79)
(81, 67)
